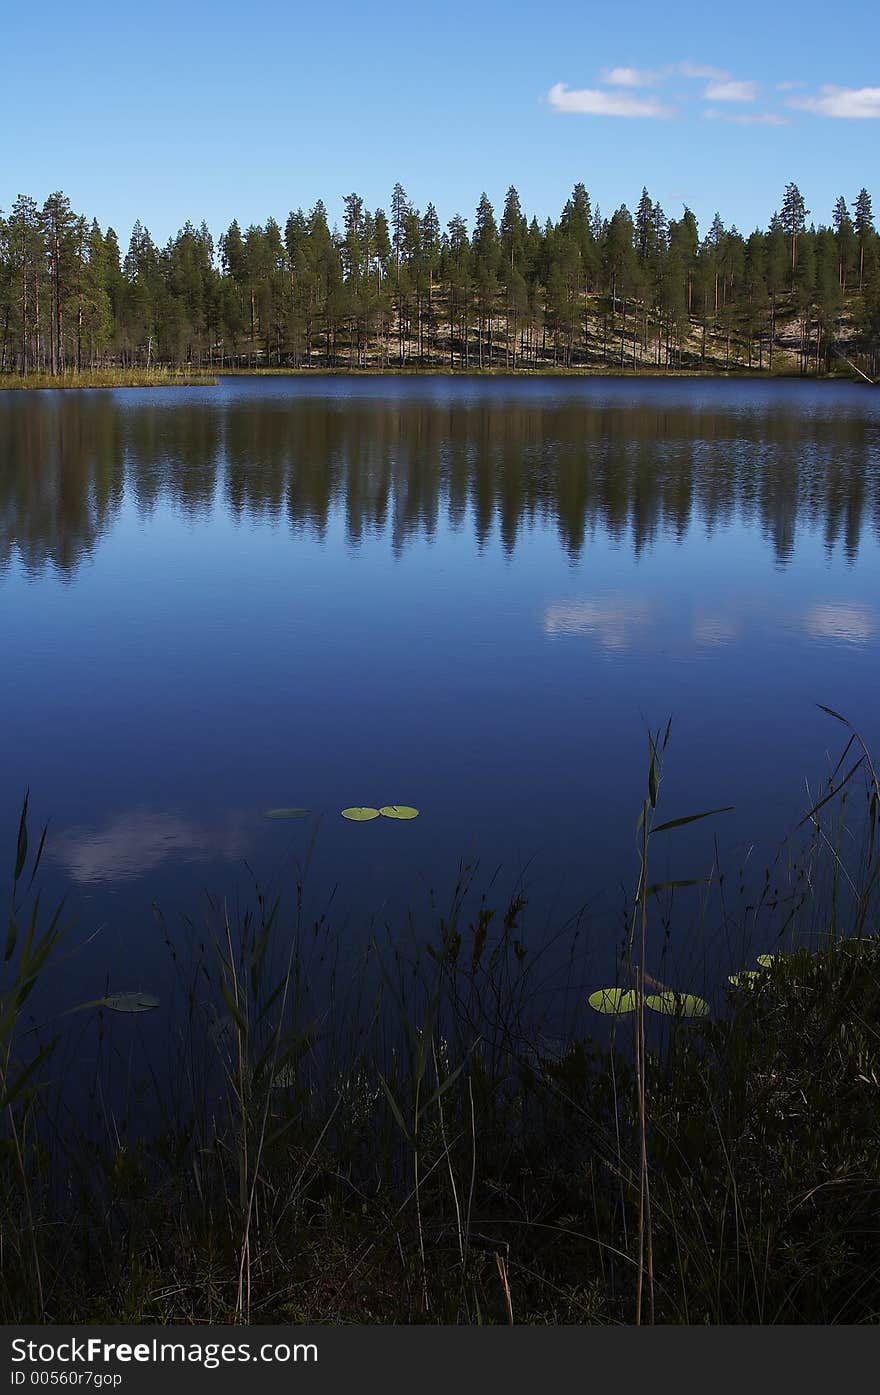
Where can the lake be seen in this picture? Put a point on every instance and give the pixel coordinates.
(468, 595)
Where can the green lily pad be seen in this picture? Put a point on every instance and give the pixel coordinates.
(129, 1002)
(677, 1004)
(399, 811)
(360, 815)
(765, 960)
(744, 979)
(613, 1001)
(286, 813)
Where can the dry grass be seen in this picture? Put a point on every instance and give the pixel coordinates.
(106, 378)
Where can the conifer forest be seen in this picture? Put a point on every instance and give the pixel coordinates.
(397, 289)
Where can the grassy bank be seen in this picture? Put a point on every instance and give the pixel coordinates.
(106, 378)
(438, 370)
(171, 377)
(404, 1143)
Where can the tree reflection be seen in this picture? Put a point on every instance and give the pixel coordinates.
(633, 466)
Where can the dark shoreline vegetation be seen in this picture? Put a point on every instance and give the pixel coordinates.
(153, 377)
(639, 292)
(405, 1144)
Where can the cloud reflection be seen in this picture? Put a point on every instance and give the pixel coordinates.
(137, 841)
(853, 624)
(615, 620)
(713, 630)
(634, 622)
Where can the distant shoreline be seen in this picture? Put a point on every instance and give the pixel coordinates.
(756, 374)
(209, 378)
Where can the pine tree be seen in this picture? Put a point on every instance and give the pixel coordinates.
(513, 229)
(486, 257)
(793, 217)
(776, 270)
(863, 223)
(458, 260)
(843, 231)
(27, 276)
(399, 210)
(757, 299)
(59, 225)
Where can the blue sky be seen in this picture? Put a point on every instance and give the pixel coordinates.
(174, 111)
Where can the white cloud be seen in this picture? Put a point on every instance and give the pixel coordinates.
(598, 101)
(700, 70)
(632, 77)
(855, 103)
(749, 118)
(649, 77)
(731, 92)
(788, 86)
(591, 101)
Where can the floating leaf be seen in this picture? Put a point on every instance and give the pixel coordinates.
(677, 1004)
(286, 813)
(129, 1002)
(613, 1001)
(765, 960)
(399, 811)
(360, 815)
(744, 979)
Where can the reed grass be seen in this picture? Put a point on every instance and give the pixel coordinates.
(394, 1137)
(107, 378)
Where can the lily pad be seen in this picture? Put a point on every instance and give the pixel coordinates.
(360, 815)
(399, 811)
(129, 1002)
(613, 1001)
(286, 813)
(677, 1004)
(765, 960)
(745, 978)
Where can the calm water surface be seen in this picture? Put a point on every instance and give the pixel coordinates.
(466, 595)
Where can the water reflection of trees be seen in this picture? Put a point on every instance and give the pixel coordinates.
(405, 467)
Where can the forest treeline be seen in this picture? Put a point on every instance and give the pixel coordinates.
(396, 289)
